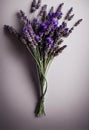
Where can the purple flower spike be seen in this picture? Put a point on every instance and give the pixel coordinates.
(43, 26)
(59, 15)
(65, 32)
(55, 21)
(59, 7)
(36, 21)
(23, 18)
(66, 29)
(49, 40)
(43, 36)
(38, 38)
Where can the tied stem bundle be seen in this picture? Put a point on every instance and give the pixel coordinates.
(43, 37)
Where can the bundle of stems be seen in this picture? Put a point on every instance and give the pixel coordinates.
(43, 37)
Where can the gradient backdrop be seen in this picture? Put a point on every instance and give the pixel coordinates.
(67, 98)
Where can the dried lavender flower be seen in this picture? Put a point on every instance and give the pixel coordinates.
(43, 36)
(70, 17)
(78, 22)
(43, 19)
(70, 31)
(72, 28)
(33, 6)
(11, 30)
(59, 7)
(51, 10)
(38, 4)
(59, 50)
(68, 13)
(43, 8)
(60, 42)
(22, 17)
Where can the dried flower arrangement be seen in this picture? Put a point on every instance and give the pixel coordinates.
(43, 37)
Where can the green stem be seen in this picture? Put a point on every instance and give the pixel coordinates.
(40, 106)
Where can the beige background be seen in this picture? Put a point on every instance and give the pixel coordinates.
(67, 98)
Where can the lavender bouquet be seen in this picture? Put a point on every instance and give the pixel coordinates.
(43, 37)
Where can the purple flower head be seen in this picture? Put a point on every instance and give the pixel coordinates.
(23, 18)
(55, 21)
(26, 34)
(36, 22)
(64, 24)
(66, 29)
(38, 38)
(28, 29)
(51, 45)
(43, 26)
(47, 23)
(24, 30)
(59, 7)
(41, 33)
(58, 14)
(51, 15)
(49, 40)
(65, 32)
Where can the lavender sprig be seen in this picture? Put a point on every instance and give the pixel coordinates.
(23, 18)
(78, 22)
(35, 5)
(38, 4)
(43, 9)
(11, 30)
(59, 7)
(43, 36)
(67, 17)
